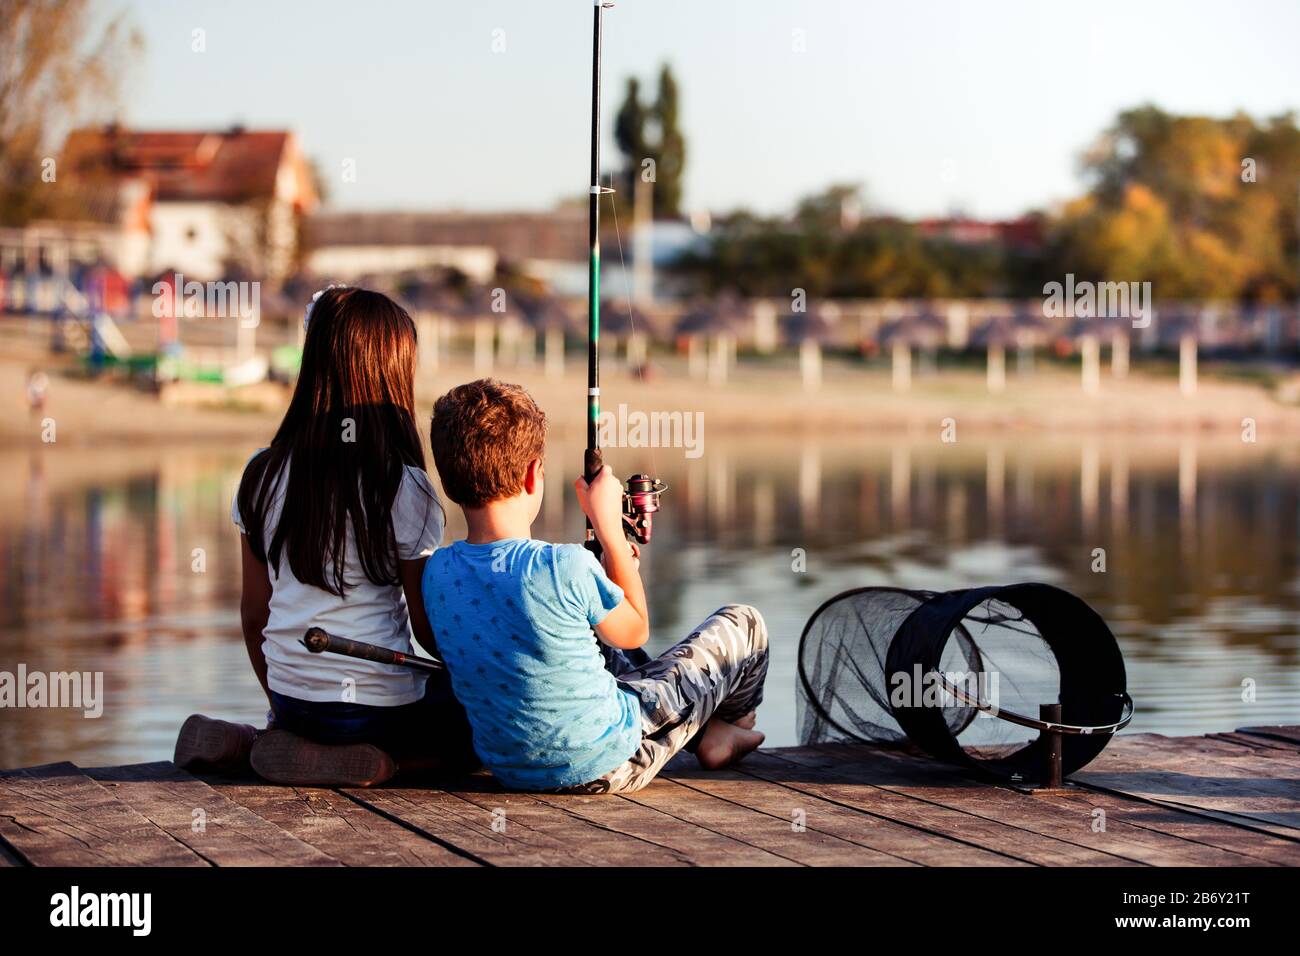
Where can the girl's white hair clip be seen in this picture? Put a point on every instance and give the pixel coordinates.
(306, 316)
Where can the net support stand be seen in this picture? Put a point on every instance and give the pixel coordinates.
(1052, 779)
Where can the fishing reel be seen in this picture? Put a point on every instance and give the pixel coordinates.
(640, 502)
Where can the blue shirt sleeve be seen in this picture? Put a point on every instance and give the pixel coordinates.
(590, 586)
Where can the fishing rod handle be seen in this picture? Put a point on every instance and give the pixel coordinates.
(319, 641)
(592, 461)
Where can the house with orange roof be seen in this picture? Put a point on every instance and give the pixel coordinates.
(209, 204)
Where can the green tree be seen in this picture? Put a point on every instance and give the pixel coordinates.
(670, 151)
(835, 208)
(652, 131)
(826, 253)
(630, 133)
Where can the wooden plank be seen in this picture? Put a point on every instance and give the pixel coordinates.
(1287, 734)
(220, 831)
(787, 836)
(947, 846)
(339, 826)
(646, 836)
(1230, 783)
(510, 829)
(652, 821)
(874, 835)
(1131, 830)
(1026, 819)
(1194, 749)
(1189, 825)
(57, 816)
(859, 785)
(1251, 742)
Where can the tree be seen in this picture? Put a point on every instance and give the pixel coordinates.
(652, 132)
(630, 134)
(1170, 203)
(56, 69)
(835, 208)
(670, 158)
(825, 252)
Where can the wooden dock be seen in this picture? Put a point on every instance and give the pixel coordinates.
(1229, 799)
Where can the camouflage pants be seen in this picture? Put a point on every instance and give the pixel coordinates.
(717, 671)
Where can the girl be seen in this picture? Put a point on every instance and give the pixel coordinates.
(338, 517)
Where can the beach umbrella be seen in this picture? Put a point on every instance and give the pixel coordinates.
(810, 331)
(718, 321)
(477, 311)
(764, 330)
(1116, 330)
(433, 304)
(1031, 333)
(1185, 327)
(551, 318)
(994, 336)
(901, 335)
(1084, 332)
(630, 325)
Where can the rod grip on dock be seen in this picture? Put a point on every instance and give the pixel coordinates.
(319, 641)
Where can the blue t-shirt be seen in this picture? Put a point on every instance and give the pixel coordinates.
(513, 622)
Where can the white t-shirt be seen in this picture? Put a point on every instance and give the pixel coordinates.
(368, 612)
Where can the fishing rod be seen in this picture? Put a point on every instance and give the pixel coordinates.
(641, 497)
(319, 641)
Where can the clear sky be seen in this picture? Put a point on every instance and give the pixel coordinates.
(934, 105)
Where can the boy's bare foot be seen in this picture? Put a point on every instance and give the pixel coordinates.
(723, 743)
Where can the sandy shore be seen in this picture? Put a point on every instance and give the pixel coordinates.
(760, 398)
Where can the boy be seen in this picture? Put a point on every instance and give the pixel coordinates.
(513, 619)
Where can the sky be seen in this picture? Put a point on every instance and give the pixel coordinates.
(933, 106)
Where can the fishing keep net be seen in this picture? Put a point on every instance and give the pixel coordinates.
(964, 675)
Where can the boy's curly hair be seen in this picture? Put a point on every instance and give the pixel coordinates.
(484, 434)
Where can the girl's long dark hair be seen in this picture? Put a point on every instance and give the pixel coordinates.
(343, 444)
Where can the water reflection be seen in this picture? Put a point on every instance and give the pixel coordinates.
(125, 561)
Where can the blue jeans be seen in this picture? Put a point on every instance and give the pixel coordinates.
(433, 726)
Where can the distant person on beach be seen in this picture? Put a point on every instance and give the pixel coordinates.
(338, 517)
(38, 385)
(552, 706)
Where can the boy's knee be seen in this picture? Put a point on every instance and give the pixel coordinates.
(751, 623)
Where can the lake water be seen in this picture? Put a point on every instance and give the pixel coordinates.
(124, 561)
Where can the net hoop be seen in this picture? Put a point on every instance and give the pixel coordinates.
(1094, 700)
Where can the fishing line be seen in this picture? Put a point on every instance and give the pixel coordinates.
(627, 301)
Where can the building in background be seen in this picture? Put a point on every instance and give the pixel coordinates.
(547, 246)
(208, 204)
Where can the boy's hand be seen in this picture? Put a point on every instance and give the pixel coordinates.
(602, 503)
(633, 550)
